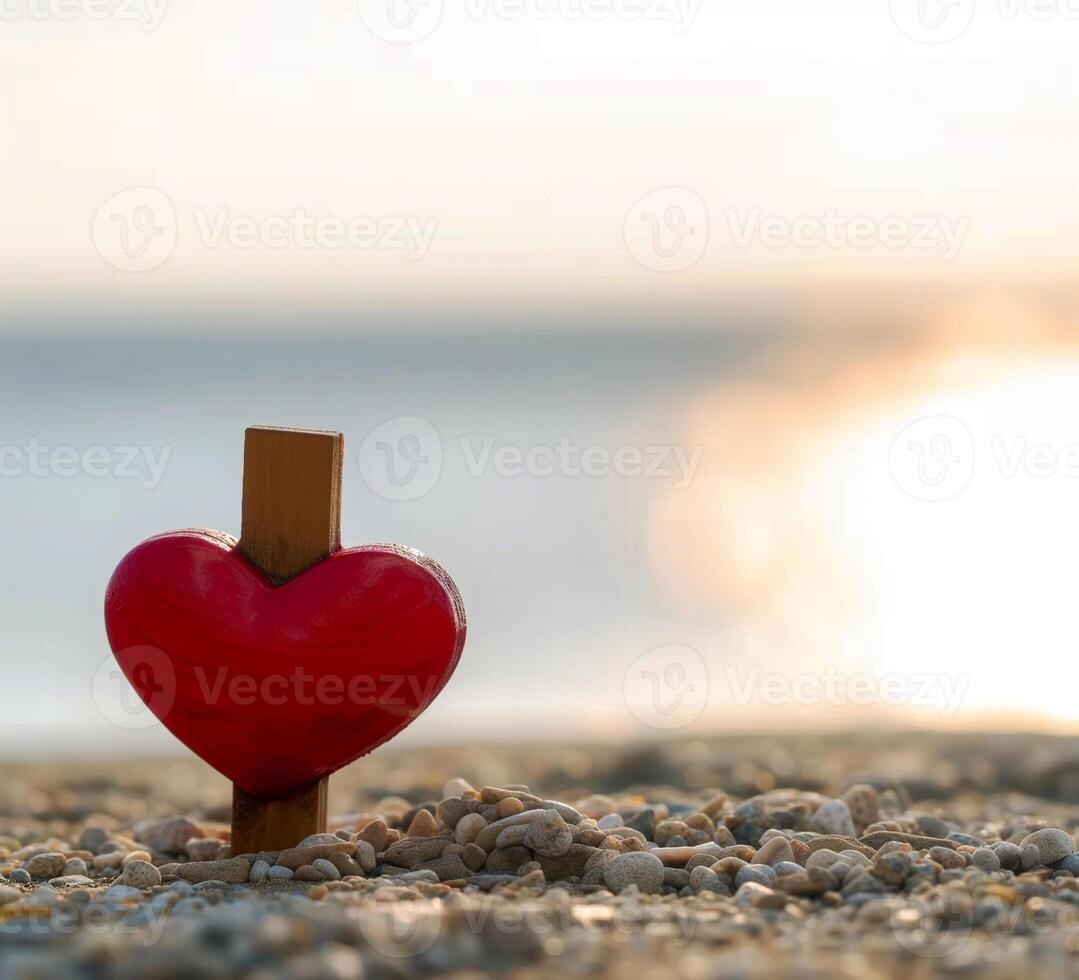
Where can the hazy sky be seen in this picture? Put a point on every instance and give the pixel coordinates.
(523, 154)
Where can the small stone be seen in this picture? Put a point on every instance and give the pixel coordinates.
(751, 891)
(1053, 844)
(231, 870)
(1030, 856)
(473, 856)
(75, 866)
(345, 864)
(20, 876)
(8, 895)
(203, 848)
(327, 868)
(548, 835)
(412, 851)
(806, 884)
(1008, 853)
(142, 874)
(1071, 863)
(863, 801)
(833, 817)
(468, 828)
(296, 857)
(892, 868)
(365, 856)
(638, 868)
(259, 871)
(773, 852)
(376, 833)
(47, 865)
(110, 859)
(422, 825)
(947, 858)
(311, 840)
(986, 860)
(91, 839)
(760, 873)
(508, 807)
(279, 873)
(308, 872)
(449, 867)
(168, 836)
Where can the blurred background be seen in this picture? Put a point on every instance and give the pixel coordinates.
(722, 352)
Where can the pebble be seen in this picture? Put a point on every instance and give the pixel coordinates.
(279, 873)
(9, 895)
(985, 859)
(296, 857)
(308, 872)
(863, 802)
(1053, 844)
(75, 866)
(140, 874)
(777, 850)
(259, 871)
(760, 873)
(227, 869)
(423, 825)
(1030, 856)
(91, 839)
(1008, 854)
(20, 876)
(202, 848)
(833, 817)
(328, 869)
(468, 828)
(168, 836)
(639, 868)
(548, 835)
(47, 865)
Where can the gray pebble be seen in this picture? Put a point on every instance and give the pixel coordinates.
(985, 859)
(1029, 857)
(20, 875)
(787, 868)
(1071, 863)
(259, 870)
(762, 874)
(1008, 854)
(833, 817)
(1053, 844)
(328, 869)
(279, 872)
(965, 839)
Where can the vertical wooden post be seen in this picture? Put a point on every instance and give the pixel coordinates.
(291, 519)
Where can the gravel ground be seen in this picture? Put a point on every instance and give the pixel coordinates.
(883, 855)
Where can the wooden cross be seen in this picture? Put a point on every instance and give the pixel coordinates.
(291, 518)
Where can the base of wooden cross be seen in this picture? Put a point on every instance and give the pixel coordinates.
(291, 519)
(277, 824)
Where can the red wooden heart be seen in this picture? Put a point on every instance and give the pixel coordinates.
(277, 685)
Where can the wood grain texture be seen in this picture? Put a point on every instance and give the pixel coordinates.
(273, 826)
(290, 519)
(291, 498)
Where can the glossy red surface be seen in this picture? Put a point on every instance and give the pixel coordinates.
(276, 685)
